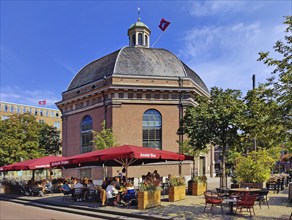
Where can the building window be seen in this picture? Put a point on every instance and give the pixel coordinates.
(130, 95)
(146, 40)
(18, 110)
(152, 127)
(139, 96)
(57, 124)
(41, 112)
(140, 39)
(36, 112)
(85, 173)
(24, 110)
(5, 108)
(4, 117)
(121, 95)
(148, 96)
(47, 113)
(165, 96)
(174, 96)
(41, 121)
(157, 96)
(86, 134)
(12, 109)
(133, 40)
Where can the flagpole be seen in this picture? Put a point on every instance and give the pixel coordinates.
(157, 39)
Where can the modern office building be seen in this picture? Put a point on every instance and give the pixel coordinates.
(43, 115)
(141, 93)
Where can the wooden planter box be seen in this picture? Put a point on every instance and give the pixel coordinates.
(176, 193)
(149, 199)
(196, 189)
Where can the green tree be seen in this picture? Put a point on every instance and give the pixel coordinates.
(280, 82)
(216, 121)
(49, 139)
(104, 138)
(23, 138)
(261, 120)
(19, 139)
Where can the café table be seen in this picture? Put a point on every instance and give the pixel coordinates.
(245, 190)
(231, 203)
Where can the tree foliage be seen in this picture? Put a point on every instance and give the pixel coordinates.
(279, 85)
(49, 139)
(254, 167)
(104, 138)
(216, 121)
(21, 138)
(261, 121)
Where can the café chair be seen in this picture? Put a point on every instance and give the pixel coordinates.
(213, 199)
(66, 194)
(246, 202)
(78, 194)
(263, 197)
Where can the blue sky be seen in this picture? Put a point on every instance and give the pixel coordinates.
(45, 43)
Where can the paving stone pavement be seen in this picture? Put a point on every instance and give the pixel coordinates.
(193, 207)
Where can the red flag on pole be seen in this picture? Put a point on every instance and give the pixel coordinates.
(43, 102)
(163, 24)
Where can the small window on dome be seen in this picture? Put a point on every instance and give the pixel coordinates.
(133, 39)
(140, 40)
(146, 40)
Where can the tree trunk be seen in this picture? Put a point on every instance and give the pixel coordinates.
(223, 182)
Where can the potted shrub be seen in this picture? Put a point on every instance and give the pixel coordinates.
(197, 185)
(177, 189)
(149, 195)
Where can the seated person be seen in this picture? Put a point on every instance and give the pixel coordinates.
(48, 186)
(66, 188)
(78, 190)
(112, 192)
(90, 189)
(129, 192)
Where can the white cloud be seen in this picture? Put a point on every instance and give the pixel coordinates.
(17, 95)
(226, 56)
(207, 8)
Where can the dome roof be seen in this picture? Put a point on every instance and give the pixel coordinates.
(139, 24)
(135, 61)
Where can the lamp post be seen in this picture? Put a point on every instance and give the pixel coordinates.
(180, 133)
(253, 87)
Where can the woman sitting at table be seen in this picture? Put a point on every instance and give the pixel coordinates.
(112, 192)
(130, 193)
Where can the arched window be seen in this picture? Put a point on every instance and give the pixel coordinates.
(140, 39)
(152, 127)
(146, 40)
(86, 134)
(134, 39)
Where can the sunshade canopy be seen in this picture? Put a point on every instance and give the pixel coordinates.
(117, 156)
(33, 164)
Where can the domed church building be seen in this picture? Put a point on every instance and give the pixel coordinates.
(141, 94)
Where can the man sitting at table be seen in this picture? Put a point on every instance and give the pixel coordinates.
(66, 188)
(112, 192)
(76, 188)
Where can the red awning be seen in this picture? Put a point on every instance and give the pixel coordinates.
(114, 155)
(130, 151)
(34, 164)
